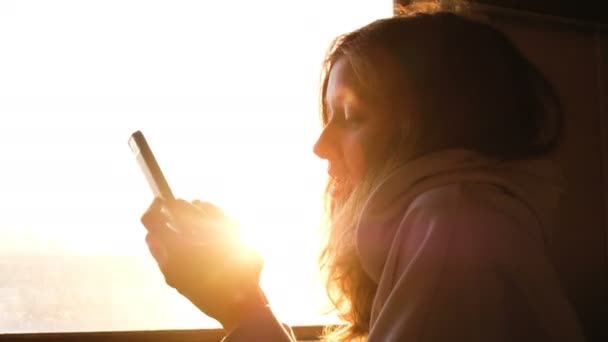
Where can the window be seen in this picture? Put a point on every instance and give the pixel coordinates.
(226, 93)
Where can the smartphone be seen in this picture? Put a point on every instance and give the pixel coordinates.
(149, 166)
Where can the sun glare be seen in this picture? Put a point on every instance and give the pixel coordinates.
(226, 94)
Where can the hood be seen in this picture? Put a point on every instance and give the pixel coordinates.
(534, 182)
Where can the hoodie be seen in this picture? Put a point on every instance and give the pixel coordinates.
(456, 243)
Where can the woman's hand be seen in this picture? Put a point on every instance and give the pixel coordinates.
(200, 254)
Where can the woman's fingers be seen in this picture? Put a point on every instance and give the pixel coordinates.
(178, 222)
(208, 208)
(188, 218)
(154, 219)
(174, 257)
(201, 221)
(157, 249)
(222, 222)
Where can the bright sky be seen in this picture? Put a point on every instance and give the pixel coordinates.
(225, 92)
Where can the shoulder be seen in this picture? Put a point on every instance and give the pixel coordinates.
(473, 202)
(472, 205)
(470, 256)
(470, 219)
(466, 238)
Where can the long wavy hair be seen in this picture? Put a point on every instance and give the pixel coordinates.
(450, 80)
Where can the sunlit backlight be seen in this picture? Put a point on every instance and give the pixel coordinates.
(226, 93)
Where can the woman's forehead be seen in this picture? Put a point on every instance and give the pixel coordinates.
(345, 83)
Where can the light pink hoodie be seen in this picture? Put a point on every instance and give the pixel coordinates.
(457, 245)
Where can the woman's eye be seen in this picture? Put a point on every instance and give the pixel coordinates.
(353, 120)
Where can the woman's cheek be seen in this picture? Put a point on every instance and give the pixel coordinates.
(360, 153)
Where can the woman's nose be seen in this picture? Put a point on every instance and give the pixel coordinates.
(326, 146)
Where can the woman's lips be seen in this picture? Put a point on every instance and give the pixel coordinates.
(340, 184)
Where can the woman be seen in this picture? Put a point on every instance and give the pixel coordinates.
(439, 200)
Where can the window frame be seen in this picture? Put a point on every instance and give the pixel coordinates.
(302, 333)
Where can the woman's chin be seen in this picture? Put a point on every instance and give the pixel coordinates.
(339, 190)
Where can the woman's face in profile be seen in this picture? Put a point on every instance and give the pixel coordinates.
(357, 130)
